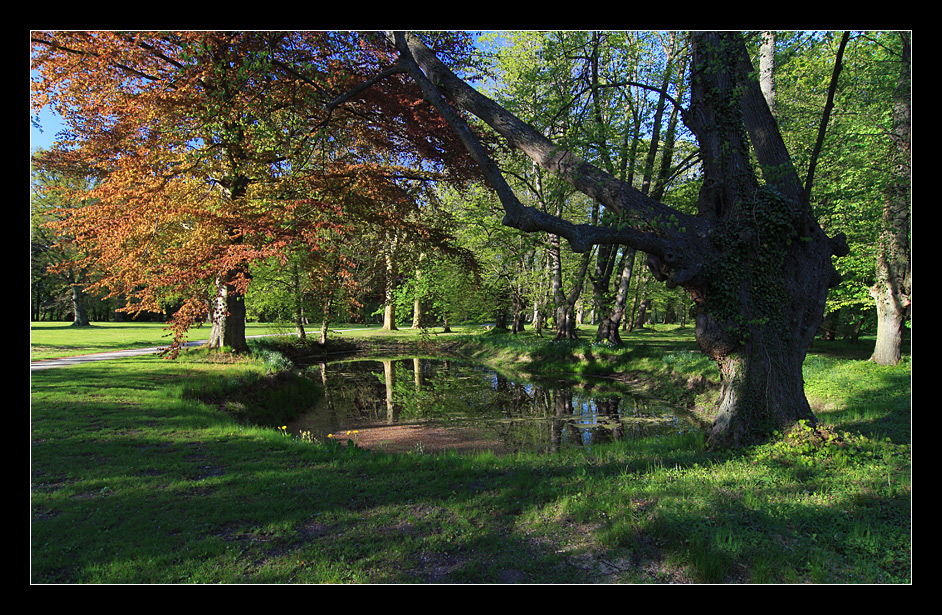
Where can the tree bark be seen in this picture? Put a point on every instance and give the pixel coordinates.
(298, 307)
(228, 317)
(767, 68)
(565, 318)
(893, 289)
(389, 312)
(79, 313)
(608, 327)
(417, 310)
(518, 305)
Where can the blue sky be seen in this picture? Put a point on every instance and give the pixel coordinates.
(50, 125)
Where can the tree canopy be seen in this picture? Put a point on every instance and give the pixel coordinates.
(214, 150)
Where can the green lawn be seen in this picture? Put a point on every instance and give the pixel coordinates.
(137, 478)
(60, 339)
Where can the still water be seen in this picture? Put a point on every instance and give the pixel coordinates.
(434, 404)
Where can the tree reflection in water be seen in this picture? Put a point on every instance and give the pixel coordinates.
(435, 404)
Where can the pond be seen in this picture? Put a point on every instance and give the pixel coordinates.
(421, 404)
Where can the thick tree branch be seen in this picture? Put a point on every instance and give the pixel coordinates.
(662, 225)
(767, 143)
(339, 100)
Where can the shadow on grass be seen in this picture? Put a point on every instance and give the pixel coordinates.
(132, 483)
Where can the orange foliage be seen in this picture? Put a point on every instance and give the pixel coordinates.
(213, 150)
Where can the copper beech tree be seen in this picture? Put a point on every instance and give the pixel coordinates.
(213, 150)
(753, 257)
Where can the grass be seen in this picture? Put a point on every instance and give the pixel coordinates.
(141, 473)
(60, 339)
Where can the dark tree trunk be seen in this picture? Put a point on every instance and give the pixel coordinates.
(299, 302)
(642, 316)
(829, 328)
(518, 305)
(762, 288)
(565, 317)
(79, 313)
(608, 327)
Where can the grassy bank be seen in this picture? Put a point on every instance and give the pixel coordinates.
(142, 473)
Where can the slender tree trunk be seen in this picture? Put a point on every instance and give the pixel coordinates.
(389, 313)
(565, 320)
(538, 320)
(829, 328)
(642, 313)
(417, 311)
(893, 289)
(298, 303)
(389, 372)
(608, 327)
(767, 68)
(324, 323)
(518, 305)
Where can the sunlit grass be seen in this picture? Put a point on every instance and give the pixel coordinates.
(140, 476)
(60, 339)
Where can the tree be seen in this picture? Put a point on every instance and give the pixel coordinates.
(583, 91)
(54, 260)
(893, 288)
(213, 152)
(753, 257)
(864, 176)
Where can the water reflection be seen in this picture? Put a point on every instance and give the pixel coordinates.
(435, 404)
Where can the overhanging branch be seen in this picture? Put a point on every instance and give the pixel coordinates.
(438, 82)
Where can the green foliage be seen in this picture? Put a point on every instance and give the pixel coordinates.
(854, 169)
(808, 445)
(275, 361)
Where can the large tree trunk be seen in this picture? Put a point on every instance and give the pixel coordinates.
(228, 329)
(761, 294)
(79, 313)
(891, 323)
(757, 322)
